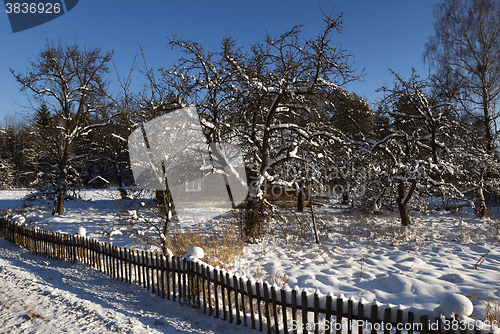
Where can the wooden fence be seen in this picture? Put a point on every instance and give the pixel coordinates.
(223, 295)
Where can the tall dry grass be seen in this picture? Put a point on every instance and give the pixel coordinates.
(222, 243)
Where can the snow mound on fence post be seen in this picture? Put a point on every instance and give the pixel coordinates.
(82, 232)
(456, 305)
(194, 253)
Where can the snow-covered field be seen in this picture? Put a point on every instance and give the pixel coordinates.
(360, 256)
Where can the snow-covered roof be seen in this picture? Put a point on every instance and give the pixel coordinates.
(98, 178)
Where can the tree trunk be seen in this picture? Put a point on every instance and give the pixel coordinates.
(481, 210)
(253, 218)
(121, 187)
(167, 210)
(166, 207)
(123, 192)
(61, 193)
(403, 201)
(300, 200)
(59, 201)
(404, 214)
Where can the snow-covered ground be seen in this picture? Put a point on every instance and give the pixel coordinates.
(360, 256)
(39, 295)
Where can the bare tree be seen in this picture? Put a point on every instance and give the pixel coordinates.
(70, 79)
(466, 49)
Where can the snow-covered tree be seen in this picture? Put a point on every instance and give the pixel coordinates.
(417, 151)
(273, 101)
(71, 81)
(284, 85)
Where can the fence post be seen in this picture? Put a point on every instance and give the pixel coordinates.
(74, 243)
(340, 306)
(283, 308)
(236, 304)
(209, 289)
(294, 310)
(361, 316)
(250, 298)
(258, 286)
(349, 316)
(265, 287)
(229, 305)
(374, 316)
(217, 281)
(303, 305)
(316, 313)
(275, 309)
(387, 320)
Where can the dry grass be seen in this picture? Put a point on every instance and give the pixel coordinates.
(491, 305)
(222, 244)
(278, 278)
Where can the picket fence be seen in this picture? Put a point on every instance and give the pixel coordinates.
(223, 295)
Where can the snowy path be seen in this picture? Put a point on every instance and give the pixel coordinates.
(39, 295)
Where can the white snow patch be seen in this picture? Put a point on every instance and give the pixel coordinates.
(195, 253)
(456, 305)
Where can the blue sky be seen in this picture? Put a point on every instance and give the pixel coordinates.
(379, 34)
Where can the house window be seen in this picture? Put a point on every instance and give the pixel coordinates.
(194, 185)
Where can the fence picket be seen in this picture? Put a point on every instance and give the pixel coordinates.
(316, 313)
(399, 320)
(424, 320)
(229, 305)
(204, 282)
(328, 314)
(349, 316)
(236, 306)
(250, 303)
(152, 263)
(283, 309)
(197, 277)
(303, 307)
(258, 286)
(265, 287)
(361, 316)
(174, 271)
(206, 273)
(122, 263)
(166, 275)
(223, 293)
(182, 279)
(340, 306)
(373, 318)
(243, 300)
(130, 266)
(275, 309)
(387, 320)
(217, 283)
(411, 319)
(143, 266)
(159, 280)
(163, 284)
(294, 310)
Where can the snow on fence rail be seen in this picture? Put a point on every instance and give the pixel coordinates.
(231, 297)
